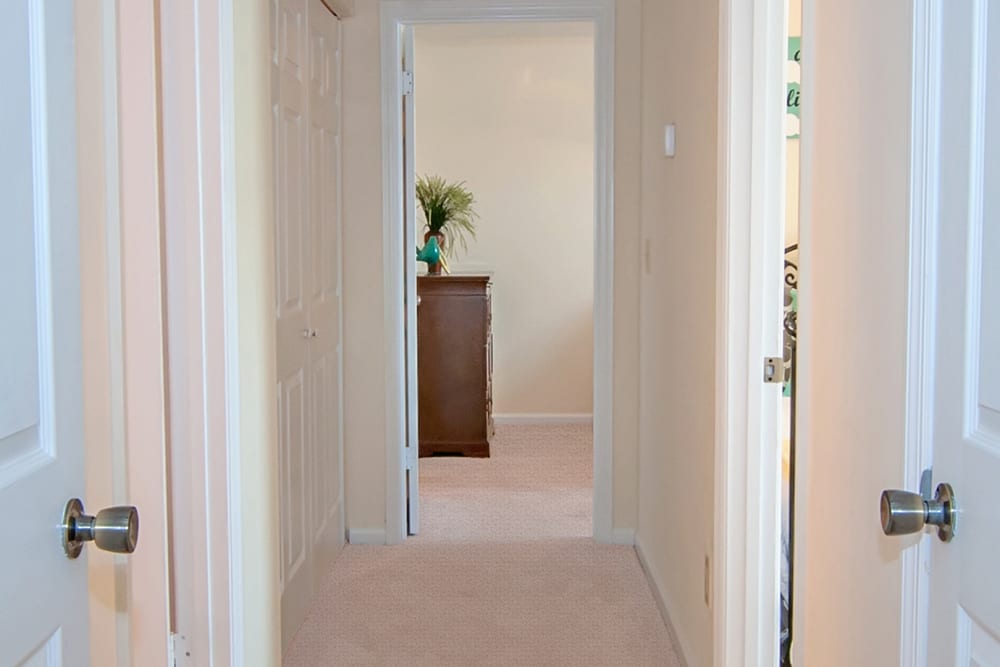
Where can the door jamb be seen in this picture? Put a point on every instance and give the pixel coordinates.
(921, 313)
(750, 228)
(393, 14)
(219, 287)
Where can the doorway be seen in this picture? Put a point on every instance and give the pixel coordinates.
(402, 460)
(790, 287)
(503, 113)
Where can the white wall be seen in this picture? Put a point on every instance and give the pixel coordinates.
(364, 366)
(677, 322)
(509, 109)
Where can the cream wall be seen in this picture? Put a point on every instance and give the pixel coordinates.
(509, 109)
(677, 322)
(364, 367)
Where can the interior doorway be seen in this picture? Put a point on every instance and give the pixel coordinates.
(501, 121)
(790, 287)
(400, 242)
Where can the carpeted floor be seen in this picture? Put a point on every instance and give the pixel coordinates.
(503, 572)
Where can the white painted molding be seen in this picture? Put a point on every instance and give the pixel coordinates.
(395, 14)
(532, 418)
(924, 179)
(625, 536)
(750, 229)
(366, 536)
(661, 603)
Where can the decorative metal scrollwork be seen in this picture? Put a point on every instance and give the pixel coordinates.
(791, 310)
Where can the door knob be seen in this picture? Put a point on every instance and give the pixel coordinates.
(114, 529)
(904, 512)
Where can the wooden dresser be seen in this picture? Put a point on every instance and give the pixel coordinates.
(454, 365)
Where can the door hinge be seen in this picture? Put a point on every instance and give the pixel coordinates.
(180, 652)
(406, 82)
(774, 370)
(411, 458)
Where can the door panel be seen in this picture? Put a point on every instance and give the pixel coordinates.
(292, 267)
(43, 619)
(965, 591)
(411, 239)
(327, 518)
(306, 64)
(852, 415)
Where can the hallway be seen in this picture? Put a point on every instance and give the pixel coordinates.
(503, 573)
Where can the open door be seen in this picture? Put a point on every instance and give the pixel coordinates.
(903, 396)
(75, 151)
(410, 274)
(963, 310)
(44, 617)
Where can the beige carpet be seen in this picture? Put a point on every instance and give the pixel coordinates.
(503, 572)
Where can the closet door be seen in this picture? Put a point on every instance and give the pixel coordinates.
(290, 96)
(326, 452)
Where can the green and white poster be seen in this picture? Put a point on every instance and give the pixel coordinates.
(794, 92)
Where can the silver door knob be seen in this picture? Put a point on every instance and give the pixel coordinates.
(114, 529)
(904, 512)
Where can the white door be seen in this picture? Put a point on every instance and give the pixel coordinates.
(325, 348)
(410, 241)
(43, 618)
(307, 119)
(901, 154)
(964, 617)
(292, 294)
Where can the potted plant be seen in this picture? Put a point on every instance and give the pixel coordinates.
(449, 216)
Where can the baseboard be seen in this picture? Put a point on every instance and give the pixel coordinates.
(654, 585)
(623, 536)
(542, 418)
(366, 536)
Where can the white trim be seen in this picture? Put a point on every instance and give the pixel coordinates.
(750, 226)
(924, 179)
(625, 536)
(366, 536)
(202, 338)
(219, 224)
(538, 418)
(231, 334)
(661, 604)
(395, 13)
(140, 209)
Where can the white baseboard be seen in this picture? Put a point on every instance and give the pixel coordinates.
(542, 418)
(366, 536)
(624, 536)
(654, 585)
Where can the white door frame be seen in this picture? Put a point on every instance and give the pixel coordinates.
(219, 288)
(921, 311)
(394, 14)
(752, 44)
(135, 220)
